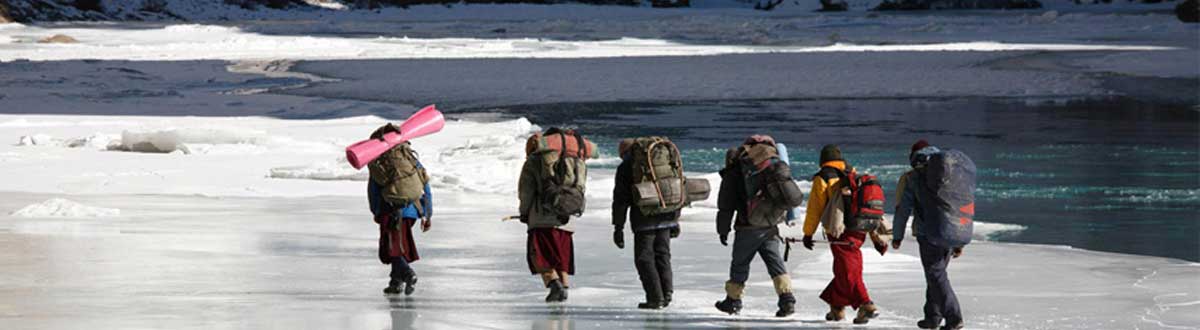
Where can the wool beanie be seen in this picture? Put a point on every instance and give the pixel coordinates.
(921, 144)
(830, 153)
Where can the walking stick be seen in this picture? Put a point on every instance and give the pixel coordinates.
(510, 218)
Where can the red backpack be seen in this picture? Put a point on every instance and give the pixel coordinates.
(864, 206)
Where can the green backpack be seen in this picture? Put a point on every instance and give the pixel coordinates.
(657, 171)
(396, 172)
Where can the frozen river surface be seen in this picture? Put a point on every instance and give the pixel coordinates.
(309, 263)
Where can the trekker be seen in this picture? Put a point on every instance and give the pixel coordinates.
(398, 194)
(551, 191)
(936, 243)
(847, 287)
(756, 185)
(653, 163)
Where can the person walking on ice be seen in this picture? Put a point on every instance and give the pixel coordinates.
(939, 195)
(835, 204)
(398, 194)
(757, 187)
(551, 191)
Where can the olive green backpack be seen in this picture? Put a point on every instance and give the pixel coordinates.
(396, 172)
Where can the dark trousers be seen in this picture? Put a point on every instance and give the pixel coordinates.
(761, 241)
(401, 271)
(652, 256)
(940, 301)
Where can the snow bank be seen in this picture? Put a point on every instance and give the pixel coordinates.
(190, 140)
(207, 42)
(64, 208)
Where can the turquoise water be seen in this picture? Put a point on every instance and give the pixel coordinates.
(1110, 175)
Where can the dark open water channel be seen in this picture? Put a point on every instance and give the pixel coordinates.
(1110, 175)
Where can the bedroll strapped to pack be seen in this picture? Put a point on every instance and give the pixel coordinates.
(562, 154)
(947, 197)
(397, 173)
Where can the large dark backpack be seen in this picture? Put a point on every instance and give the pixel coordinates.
(947, 196)
(561, 154)
(657, 171)
(863, 208)
(767, 182)
(397, 173)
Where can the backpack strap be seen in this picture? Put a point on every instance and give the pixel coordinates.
(581, 152)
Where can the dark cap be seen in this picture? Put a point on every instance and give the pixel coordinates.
(830, 153)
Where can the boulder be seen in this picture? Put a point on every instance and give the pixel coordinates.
(1188, 11)
(834, 5)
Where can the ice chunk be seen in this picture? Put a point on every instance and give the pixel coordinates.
(64, 208)
(37, 140)
(170, 140)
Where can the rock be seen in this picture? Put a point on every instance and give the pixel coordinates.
(834, 5)
(58, 39)
(1188, 11)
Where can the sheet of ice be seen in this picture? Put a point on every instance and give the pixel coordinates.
(309, 263)
(64, 208)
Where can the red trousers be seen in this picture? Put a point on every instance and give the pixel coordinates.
(847, 288)
(396, 239)
(550, 249)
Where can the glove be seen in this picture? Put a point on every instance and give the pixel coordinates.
(619, 239)
(675, 232)
(725, 239)
(808, 242)
(524, 218)
(895, 245)
(957, 252)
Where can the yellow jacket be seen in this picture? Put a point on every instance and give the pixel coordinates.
(819, 195)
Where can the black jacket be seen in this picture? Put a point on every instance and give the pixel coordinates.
(623, 204)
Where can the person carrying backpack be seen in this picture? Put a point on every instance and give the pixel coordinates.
(939, 194)
(398, 194)
(551, 191)
(832, 204)
(757, 186)
(649, 190)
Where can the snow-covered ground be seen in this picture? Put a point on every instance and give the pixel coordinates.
(191, 176)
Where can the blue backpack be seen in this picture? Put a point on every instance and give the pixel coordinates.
(947, 198)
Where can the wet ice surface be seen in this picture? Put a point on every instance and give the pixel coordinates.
(191, 262)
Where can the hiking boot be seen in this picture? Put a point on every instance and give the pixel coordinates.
(953, 326)
(557, 292)
(652, 305)
(730, 306)
(928, 324)
(787, 305)
(835, 314)
(666, 299)
(392, 288)
(866, 312)
(410, 285)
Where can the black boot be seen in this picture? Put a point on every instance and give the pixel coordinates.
(392, 288)
(952, 325)
(730, 306)
(928, 324)
(666, 299)
(787, 305)
(410, 285)
(652, 305)
(557, 292)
